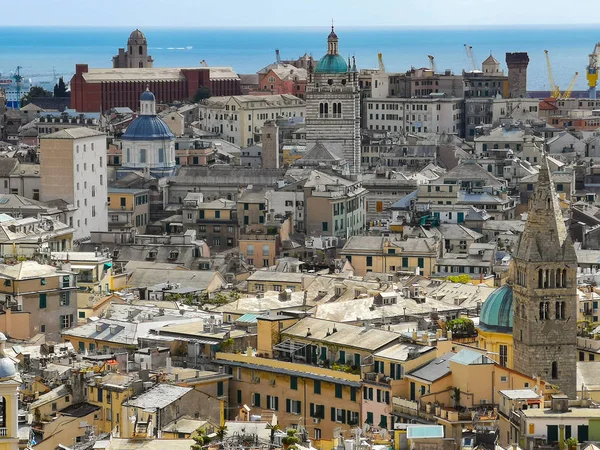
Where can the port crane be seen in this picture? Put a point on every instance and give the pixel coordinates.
(592, 71)
(431, 62)
(381, 65)
(19, 82)
(471, 57)
(554, 89)
(569, 91)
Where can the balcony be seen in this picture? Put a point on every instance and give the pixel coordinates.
(3, 432)
(377, 378)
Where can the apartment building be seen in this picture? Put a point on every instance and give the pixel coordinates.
(41, 298)
(239, 119)
(435, 113)
(215, 222)
(128, 209)
(73, 169)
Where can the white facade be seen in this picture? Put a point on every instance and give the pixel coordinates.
(239, 119)
(287, 202)
(90, 186)
(521, 109)
(415, 115)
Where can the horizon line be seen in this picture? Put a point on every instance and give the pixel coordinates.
(310, 27)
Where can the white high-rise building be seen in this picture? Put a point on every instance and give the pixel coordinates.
(73, 169)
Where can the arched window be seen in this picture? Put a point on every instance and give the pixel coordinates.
(161, 155)
(554, 370)
(130, 50)
(141, 50)
(544, 310)
(128, 155)
(143, 155)
(558, 276)
(540, 278)
(564, 278)
(489, 168)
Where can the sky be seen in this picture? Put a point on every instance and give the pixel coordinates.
(268, 13)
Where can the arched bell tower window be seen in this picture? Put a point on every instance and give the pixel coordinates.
(141, 50)
(554, 370)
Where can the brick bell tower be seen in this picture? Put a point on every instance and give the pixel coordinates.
(545, 292)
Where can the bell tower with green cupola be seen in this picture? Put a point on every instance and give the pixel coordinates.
(333, 106)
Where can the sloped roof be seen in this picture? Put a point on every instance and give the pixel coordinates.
(73, 133)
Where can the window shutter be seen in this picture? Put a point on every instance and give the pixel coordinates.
(299, 411)
(393, 371)
(387, 397)
(287, 405)
(276, 403)
(378, 396)
(343, 416)
(365, 392)
(312, 410)
(352, 394)
(332, 414)
(268, 401)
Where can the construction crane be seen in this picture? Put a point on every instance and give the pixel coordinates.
(431, 62)
(471, 57)
(592, 71)
(567, 93)
(19, 82)
(381, 65)
(554, 89)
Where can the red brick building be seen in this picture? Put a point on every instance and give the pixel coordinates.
(283, 79)
(103, 89)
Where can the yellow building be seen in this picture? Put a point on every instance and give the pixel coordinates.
(391, 254)
(109, 392)
(495, 326)
(261, 245)
(128, 209)
(9, 397)
(448, 388)
(42, 299)
(315, 377)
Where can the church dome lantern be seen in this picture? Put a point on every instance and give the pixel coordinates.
(332, 62)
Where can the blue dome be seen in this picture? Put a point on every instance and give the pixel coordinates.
(147, 128)
(7, 368)
(497, 311)
(332, 64)
(147, 96)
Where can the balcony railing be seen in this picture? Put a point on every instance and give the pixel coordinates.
(3, 432)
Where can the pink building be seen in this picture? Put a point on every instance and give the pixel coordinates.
(283, 79)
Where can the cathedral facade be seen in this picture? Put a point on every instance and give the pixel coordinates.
(333, 106)
(135, 55)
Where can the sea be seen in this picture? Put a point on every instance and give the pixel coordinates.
(43, 52)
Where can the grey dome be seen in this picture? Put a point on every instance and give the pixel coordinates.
(7, 368)
(136, 36)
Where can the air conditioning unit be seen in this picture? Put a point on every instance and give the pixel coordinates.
(316, 420)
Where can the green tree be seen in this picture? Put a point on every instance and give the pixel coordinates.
(221, 432)
(463, 279)
(461, 327)
(35, 92)
(571, 443)
(273, 428)
(291, 440)
(60, 89)
(202, 93)
(200, 440)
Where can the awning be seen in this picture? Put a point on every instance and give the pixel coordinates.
(107, 265)
(82, 267)
(290, 346)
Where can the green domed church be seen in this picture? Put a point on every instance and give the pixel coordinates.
(333, 109)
